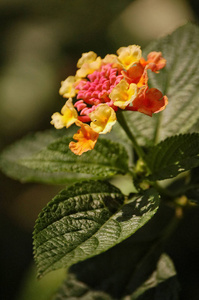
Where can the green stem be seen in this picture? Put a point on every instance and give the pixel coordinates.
(124, 125)
(169, 230)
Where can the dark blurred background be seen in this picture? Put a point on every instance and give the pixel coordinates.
(40, 43)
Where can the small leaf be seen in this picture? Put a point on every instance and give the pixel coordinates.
(179, 81)
(163, 282)
(191, 188)
(187, 185)
(173, 156)
(46, 157)
(87, 219)
(74, 289)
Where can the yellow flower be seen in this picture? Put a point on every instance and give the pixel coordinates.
(86, 139)
(129, 55)
(87, 57)
(110, 59)
(67, 88)
(123, 94)
(67, 117)
(103, 118)
(88, 63)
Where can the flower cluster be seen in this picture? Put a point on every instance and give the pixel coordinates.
(101, 87)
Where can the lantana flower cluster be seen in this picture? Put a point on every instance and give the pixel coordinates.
(101, 87)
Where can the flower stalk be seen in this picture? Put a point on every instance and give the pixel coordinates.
(124, 125)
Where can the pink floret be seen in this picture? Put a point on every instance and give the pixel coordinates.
(97, 88)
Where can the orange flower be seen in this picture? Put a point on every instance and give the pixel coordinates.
(136, 74)
(155, 61)
(149, 101)
(86, 139)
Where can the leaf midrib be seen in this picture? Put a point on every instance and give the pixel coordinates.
(69, 163)
(117, 195)
(94, 236)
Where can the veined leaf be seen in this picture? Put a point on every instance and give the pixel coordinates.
(46, 157)
(179, 81)
(173, 156)
(87, 219)
(138, 257)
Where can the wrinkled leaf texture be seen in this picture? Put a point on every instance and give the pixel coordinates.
(179, 81)
(173, 156)
(46, 157)
(85, 220)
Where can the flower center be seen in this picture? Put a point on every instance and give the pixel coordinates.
(97, 88)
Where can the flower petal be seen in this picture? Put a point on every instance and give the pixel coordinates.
(88, 65)
(155, 61)
(87, 57)
(67, 88)
(113, 60)
(67, 117)
(57, 120)
(136, 74)
(149, 101)
(86, 139)
(123, 94)
(103, 118)
(129, 55)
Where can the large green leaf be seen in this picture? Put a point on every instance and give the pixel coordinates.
(173, 156)
(46, 157)
(179, 81)
(87, 219)
(122, 270)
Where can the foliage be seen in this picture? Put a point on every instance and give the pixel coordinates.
(91, 227)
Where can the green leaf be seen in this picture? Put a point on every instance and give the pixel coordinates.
(74, 289)
(121, 270)
(189, 187)
(179, 81)
(46, 157)
(173, 156)
(162, 284)
(87, 219)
